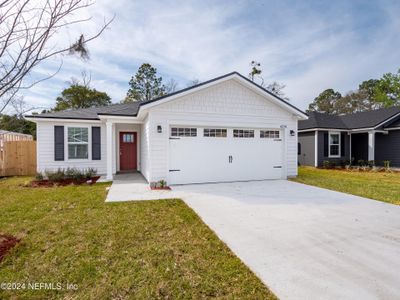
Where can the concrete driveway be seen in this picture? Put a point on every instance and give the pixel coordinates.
(305, 242)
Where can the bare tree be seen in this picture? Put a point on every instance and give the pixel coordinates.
(277, 89)
(193, 82)
(171, 86)
(27, 32)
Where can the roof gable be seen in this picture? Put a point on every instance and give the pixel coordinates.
(133, 109)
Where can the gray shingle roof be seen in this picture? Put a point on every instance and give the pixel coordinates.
(367, 119)
(128, 109)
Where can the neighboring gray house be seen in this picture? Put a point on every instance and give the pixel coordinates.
(372, 135)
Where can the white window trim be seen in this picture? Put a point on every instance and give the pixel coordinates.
(329, 144)
(66, 154)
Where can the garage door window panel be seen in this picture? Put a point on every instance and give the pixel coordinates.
(269, 134)
(215, 132)
(183, 132)
(243, 133)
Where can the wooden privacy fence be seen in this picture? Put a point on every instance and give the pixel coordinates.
(18, 158)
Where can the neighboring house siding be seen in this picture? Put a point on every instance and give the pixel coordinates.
(228, 104)
(145, 149)
(322, 153)
(45, 148)
(307, 145)
(387, 147)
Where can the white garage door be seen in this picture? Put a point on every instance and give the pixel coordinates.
(199, 154)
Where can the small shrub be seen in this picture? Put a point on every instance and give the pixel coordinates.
(69, 173)
(39, 176)
(55, 176)
(386, 164)
(163, 183)
(326, 164)
(90, 172)
(361, 162)
(371, 163)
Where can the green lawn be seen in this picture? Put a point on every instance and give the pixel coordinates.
(379, 186)
(149, 249)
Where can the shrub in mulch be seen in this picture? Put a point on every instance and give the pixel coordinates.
(7, 242)
(63, 177)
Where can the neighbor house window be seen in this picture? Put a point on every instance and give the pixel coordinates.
(334, 144)
(78, 142)
(243, 133)
(269, 134)
(181, 131)
(215, 132)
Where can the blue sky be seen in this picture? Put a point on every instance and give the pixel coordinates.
(307, 45)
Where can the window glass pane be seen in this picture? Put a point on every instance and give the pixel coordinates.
(76, 151)
(242, 133)
(269, 134)
(334, 150)
(334, 139)
(217, 132)
(78, 135)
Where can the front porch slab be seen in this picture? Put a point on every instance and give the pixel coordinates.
(133, 186)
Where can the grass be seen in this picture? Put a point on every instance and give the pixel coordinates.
(383, 186)
(131, 250)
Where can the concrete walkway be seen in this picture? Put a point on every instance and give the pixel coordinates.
(303, 242)
(133, 186)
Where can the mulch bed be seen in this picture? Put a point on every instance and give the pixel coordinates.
(64, 182)
(165, 188)
(7, 242)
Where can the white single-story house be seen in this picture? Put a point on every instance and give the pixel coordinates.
(224, 129)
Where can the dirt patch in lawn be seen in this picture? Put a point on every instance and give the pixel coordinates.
(7, 242)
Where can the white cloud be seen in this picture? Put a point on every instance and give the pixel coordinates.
(309, 49)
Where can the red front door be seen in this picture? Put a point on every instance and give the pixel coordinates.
(127, 151)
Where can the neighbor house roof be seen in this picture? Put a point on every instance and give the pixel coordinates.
(367, 119)
(132, 109)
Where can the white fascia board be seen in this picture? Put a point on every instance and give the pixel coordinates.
(393, 128)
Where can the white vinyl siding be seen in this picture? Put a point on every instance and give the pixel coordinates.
(45, 147)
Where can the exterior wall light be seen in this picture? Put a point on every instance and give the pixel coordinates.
(159, 129)
(292, 133)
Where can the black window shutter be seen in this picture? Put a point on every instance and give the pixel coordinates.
(342, 143)
(326, 144)
(58, 142)
(298, 148)
(96, 143)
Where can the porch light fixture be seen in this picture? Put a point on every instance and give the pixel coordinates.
(291, 132)
(159, 128)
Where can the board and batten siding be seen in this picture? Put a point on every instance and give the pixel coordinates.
(387, 147)
(45, 148)
(228, 104)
